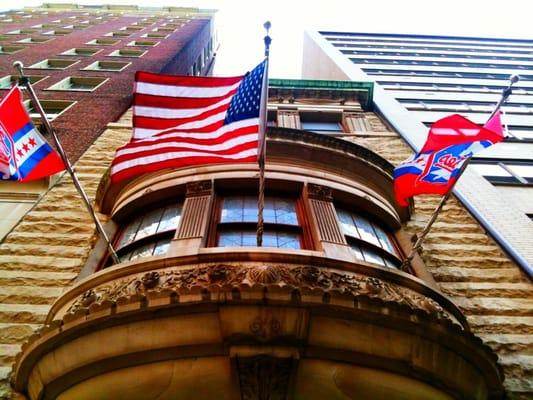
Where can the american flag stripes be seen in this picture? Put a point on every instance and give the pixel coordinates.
(182, 120)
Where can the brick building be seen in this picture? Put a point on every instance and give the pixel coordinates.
(196, 310)
(82, 61)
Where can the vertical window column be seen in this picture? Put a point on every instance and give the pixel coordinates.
(355, 122)
(289, 119)
(322, 215)
(191, 234)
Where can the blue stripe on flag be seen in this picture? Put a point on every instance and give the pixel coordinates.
(399, 171)
(22, 131)
(33, 160)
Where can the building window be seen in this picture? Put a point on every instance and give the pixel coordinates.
(111, 66)
(149, 234)
(322, 127)
(150, 43)
(6, 82)
(103, 42)
(118, 34)
(505, 173)
(10, 49)
(154, 36)
(22, 32)
(126, 53)
(34, 39)
(238, 222)
(78, 83)
(132, 28)
(368, 240)
(321, 122)
(52, 109)
(81, 51)
(53, 64)
(58, 32)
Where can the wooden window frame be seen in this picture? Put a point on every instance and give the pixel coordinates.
(395, 258)
(303, 227)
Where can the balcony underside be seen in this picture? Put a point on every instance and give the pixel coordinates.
(291, 327)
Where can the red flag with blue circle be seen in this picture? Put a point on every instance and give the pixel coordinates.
(24, 153)
(450, 142)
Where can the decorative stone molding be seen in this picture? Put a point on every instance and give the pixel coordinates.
(319, 192)
(200, 188)
(224, 277)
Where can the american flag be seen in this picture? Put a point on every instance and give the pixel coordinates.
(183, 120)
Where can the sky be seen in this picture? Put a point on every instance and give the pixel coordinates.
(240, 23)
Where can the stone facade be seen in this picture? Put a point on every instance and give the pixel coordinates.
(470, 268)
(42, 256)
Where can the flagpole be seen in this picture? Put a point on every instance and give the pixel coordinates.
(24, 80)
(261, 156)
(420, 238)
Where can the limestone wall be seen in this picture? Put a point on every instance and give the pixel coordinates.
(476, 274)
(47, 249)
(44, 253)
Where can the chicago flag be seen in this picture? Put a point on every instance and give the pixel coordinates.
(24, 154)
(451, 141)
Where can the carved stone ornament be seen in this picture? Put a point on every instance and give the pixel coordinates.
(219, 277)
(319, 192)
(200, 188)
(264, 377)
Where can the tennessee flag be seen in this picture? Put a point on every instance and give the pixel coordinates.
(24, 154)
(451, 141)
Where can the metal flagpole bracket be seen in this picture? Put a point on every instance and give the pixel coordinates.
(24, 80)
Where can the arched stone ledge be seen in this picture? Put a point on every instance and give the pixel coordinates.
(236, 267)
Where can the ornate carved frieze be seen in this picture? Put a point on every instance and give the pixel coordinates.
(225, 277)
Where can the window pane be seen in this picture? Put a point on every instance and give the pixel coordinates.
(250, 209)
(285, 212)
(389, 263)
(232, 210)
(161, 247)
(149, 224)
(247, 238)
(372, 257)
(229, 239)
(357, 251)
(170, 219)
(365, 230)
(321, 126)
(270, 239)
(125, 257)
(288, 240)
(244, 209)
(269, 213)
(129, 232)
(347, 224)
(384, 239)
(143, 251)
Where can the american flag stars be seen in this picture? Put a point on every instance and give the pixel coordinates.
(245, 104)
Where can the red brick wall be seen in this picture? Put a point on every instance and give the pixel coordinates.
(82, 124)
